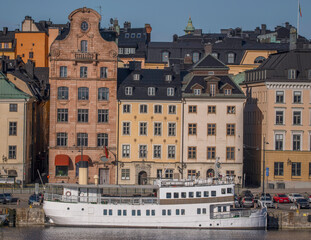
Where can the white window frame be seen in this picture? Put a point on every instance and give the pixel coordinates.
(151, 91)
(274, 139)
(197, 91)
(146, 151)
(128, 91)
(168, 129)
(301, 97)
(161, 129)
(292, 73)
(140, 108)
(160, 152)
(170, 92)
(154, 107)
(296, 110)
(123, 128)
(276, 94)
(168, 146)
(122, 149)
(136, 76)
(301, 140)
(168, 109)
(125, 173)
(281, 110)
(139, 128)
(129, 108)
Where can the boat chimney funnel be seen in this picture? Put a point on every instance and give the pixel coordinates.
(83, 172)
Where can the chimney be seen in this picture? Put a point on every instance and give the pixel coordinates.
(29, 67)
(175, 37)
(263, 28)
(257, 30)
(127, 25)
(292, 38)
(5, 31)
(148, 31)
(188, 59)
(208, 48)
(287, 25)
(134, 65)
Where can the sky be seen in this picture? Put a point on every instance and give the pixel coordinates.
(167, 17)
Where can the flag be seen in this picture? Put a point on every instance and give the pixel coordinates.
(106, 152)
(300, 10)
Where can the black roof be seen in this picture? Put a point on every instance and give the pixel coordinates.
(209, 62)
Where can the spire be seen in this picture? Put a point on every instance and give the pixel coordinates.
(189, 28)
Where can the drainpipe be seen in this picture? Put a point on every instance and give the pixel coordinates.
(117, 143)
(24, 141)
(182, 139)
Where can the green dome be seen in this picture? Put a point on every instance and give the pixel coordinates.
(189, 28)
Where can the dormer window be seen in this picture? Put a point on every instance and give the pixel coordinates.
(291, 73)
(170, 92)
(197, 91)
(136, 76)
(168, 77)
(151, 91)
(228, 91)
(195, 57)
(213, 90)
(128, 91)
(165, 56)
(231, 57)
(215, 55)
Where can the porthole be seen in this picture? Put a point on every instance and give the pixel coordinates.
(84, 26)
(68, 208)
(82, 209)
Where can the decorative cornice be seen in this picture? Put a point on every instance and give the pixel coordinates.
(288, 85)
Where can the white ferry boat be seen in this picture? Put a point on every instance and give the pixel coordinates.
(167, 204)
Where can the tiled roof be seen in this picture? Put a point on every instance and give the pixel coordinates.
(209, 62)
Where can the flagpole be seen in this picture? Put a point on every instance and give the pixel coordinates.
(298, 16)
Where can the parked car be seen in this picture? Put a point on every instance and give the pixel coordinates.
(8, 197)
(294, 196)
(267, 195)
(281, 198)
(246, 193)
(247, 202)
(302, 202)
(38, 198)
(309, 198)
(2, 199)
(267, 200)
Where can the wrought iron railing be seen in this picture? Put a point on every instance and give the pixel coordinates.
(232, 214)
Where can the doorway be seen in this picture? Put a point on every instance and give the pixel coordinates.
(103, 176)
(142, 178)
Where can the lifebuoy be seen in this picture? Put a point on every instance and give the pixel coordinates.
(68, 193)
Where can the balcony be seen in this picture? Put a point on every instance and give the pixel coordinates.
(85, 56)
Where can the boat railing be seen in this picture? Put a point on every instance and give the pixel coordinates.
(100, 199)
(232, 214)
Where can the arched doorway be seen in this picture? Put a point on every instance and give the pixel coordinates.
(142, 178)
(210, 173)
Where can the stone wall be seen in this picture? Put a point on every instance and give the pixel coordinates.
(29, 216)
(289, 220)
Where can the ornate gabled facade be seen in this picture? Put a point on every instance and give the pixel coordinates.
(83, 79)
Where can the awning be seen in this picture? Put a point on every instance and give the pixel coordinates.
(62, 160)
(84, 158)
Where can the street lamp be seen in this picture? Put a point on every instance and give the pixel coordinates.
(264, 165)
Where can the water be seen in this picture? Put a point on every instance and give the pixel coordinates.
(66, 233)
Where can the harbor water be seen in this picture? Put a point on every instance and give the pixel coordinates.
(66, 233)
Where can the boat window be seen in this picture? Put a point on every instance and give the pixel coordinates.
(229, 190)
(168, 195)
(198, 210)
(183, 195)
(198, 194)
(177, 211)
(153, 212)
(219, 208)
(169, 212)
(176, 195)
(183, 212)
(204, 210)
(147, 212)
(124, 212)
(133, 212)
(105, 212)
(224, 209)
(138, 213)
(206, 193)
(119, 212)
(213, 193)
(190, 194)
(223, 191)
(163, 212)
(110, 212)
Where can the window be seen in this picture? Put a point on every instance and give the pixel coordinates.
(143, 108)
(147, 212)
(168, 195)
(192, 129)
(30, 54)
(157, 151)
(191, 174)
(231, 109)
(278, 142)
(171, 129)
(168, 77)
(230, 129)
(120, 50)
(12, 128)
(211, 109)
(183, 195)
(124, 212)
(211, 152)
(102, 139)
(62, 93)
(61, 139)
(165, 56)
(61, 171)
(297, 118)
(157, 108)
(297, 97)
(157, 129)
(169, 173)
(62, 115)
(231, 57)
(151, 91)
(279, 117)
(83, 93)
(83, 115)
(83, 46)
(292, 74)
(125, 151)
(296, 142)
(177, 212)
(195, 57)
(215, 55)
(63, 71)
(197, 91)
(126, 128)
(183, 211)
(125, 175)
(159, 173)
(82, 139)
(170, 91)
(190, 194)
(171, 152)
(128, 91)
(12, 152)
(83, 72)
(103, 94)
(103, 115)
(211, 129)
(153, 212)
(278, 168)
(119, 212)
(213, 193)
(105, 212)
(192, 109)
(259, 59)
(212, 90)
(136, 76)
(171, 109)
(228, 91)
(142, 151)
(138, 213)
(279, 98)
(198, 211)
(192, 152)
(230, 153)
(143, 128)
(103, 72)
(126, 108)
(163, 212)
(296, 169)
(13, 107)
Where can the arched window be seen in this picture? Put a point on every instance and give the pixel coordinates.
(231, 57)
(195, 57)
(62, 93)
(83, 46)
(83, 93)
(259, 59)
(165, 56)
(103, 94)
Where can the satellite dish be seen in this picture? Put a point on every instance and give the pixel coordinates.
(111, 21)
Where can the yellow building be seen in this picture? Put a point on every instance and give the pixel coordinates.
(7, 43)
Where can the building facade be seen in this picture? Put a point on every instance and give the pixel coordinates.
(83, 79)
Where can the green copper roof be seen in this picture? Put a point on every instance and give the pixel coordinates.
(9, 91)
(239, 78)
(189, 28)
